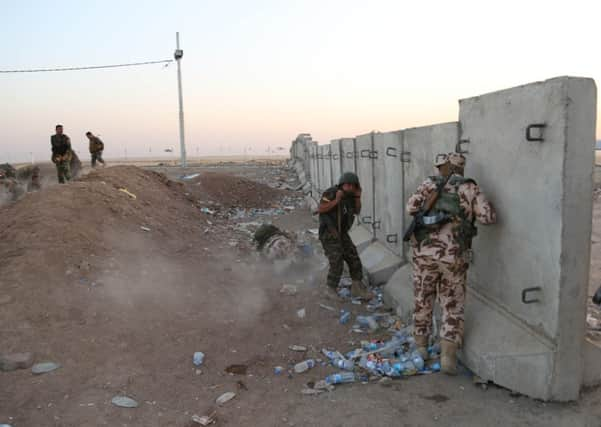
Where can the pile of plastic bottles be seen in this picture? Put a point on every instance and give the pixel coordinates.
(393, 358)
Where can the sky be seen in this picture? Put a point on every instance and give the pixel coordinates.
(257, 73)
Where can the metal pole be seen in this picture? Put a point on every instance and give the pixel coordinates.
(182, 139)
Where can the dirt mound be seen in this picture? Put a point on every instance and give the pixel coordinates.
(233, 191)
(52, 231)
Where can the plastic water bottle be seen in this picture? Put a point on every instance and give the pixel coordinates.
(435, 366)
(367, 322)
(417, 360)
(371, 345)
(344, 364)
(345, 316)
(301, 367)
(198, 358)
(331, 354)
(341, 378)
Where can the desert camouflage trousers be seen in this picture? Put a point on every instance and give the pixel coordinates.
(432, 278)
(339, 249)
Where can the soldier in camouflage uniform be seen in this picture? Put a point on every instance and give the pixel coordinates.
(61, 154)
(273, 243)
(96, 148)
(440, 253)
(337, 210)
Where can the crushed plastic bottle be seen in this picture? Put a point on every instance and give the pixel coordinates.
(367, 322)
(417, 360)
(341, 378)
(344, 364)
(344, 293)
(345, 316)
(304, 366)
(331, 354)
(198, 358)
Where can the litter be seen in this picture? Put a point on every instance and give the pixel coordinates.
(288, 289)
(225, 397)
(126, 191)
(124, 402)
(297, 348)
(198, 358)
(145, 228)
(301, 313)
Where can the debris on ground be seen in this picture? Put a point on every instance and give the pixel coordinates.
(225, 397)
(12, 362)
(204, 420)
(288, 289)
(44, 367)
(124, 402)
(198, 358)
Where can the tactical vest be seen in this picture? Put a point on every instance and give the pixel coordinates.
(448, 203)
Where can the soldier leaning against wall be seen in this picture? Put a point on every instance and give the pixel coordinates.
(441, 244)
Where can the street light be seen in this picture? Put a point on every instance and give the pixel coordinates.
(178, 54)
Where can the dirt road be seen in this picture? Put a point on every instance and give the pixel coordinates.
(123, 310)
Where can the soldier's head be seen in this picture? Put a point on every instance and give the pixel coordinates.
(450, 163)
(89, 134)
(349, 182)
(59, 129)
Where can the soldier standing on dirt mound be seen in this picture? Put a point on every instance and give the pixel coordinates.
(337, 210)
(441, 247)
(61, 154)
(96, 148)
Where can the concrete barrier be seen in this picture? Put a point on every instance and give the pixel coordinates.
(531, 150)
(530, 272)
(336, 160)
(388, 158)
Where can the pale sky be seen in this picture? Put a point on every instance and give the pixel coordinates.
(257, 73)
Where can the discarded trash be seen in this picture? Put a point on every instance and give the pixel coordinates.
(301, 313)
(207, 211)
(198, 358)
(345, 316)
(313, 231)
(288, 289)
(124, 402)
(204, 420)
(367, 322)
(304, 366)
(344, 293)
(297, 348)
(42, 368)
(237, 369)
(327, 307)
(12, 362)
(225, 397)
(145, 228)
(342, 363)
(187, 177)
(278, 370)
(124, 190)
(341, 378)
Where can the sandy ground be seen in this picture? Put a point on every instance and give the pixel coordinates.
(123, 310)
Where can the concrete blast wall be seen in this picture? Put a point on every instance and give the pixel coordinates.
(530, 148)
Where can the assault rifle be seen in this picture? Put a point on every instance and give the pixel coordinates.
(418, 217)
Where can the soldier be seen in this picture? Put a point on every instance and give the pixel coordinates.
(273, 243)
(441, 246)
(61, 154)
(96, 148)
(337, 210)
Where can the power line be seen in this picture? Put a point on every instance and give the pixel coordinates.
(92, 67)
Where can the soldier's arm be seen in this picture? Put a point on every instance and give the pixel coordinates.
(482, 208)
(329, 200)
(417, 199)
(68, 142)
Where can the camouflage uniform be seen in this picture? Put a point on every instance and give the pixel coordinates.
(440, 254)
(337, 244)
(96, 148)
(61, 156)
(273, 242)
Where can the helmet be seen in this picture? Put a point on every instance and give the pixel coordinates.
(348, 178)
(455, 159)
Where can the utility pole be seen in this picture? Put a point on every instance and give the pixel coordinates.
(182, 139)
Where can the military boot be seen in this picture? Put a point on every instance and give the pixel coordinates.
(421, 342)
(448, 357)
(358, 290)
